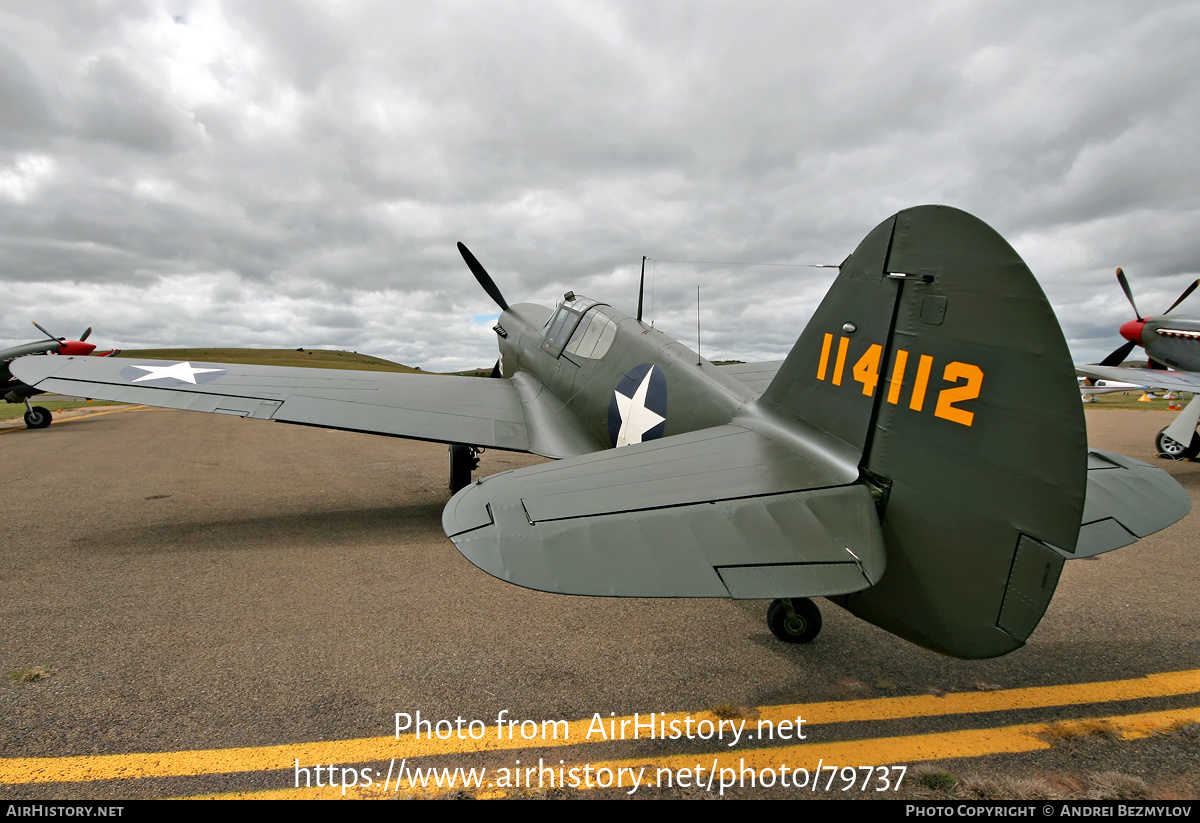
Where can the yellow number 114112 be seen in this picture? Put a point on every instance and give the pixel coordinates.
(865, 371)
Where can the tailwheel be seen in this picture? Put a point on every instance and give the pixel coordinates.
(1173, 449)
(796, 620)
(463, 461)
(38, 417)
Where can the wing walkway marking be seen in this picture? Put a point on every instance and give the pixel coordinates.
(25, 770)
(881, 751)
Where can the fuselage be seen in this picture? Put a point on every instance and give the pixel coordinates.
(1169, 339)
(616, 374)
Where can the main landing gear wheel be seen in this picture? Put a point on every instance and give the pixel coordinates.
(1173, 449)
(38, 417)
(463, 461)
(794, 621)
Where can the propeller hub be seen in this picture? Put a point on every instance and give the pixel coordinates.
(1132, 331)
(75, 347)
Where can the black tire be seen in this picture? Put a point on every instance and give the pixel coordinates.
(38, 417)
(462, 462)
(1173, 450)
(803, 628)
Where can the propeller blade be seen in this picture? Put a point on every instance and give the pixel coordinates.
(1154, 364)
(1129, 294)
(43, 331)
(89, 329)
(1118, 356)
(495, 370)
(483, 277)
(1183, 296)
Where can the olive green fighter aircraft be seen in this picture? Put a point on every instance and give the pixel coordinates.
(919, 458)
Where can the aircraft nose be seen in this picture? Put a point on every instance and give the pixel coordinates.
(1132, 331)
(76, 347)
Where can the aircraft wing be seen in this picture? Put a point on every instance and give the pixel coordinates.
(723, 512)
(1152, 378)
(475, 411)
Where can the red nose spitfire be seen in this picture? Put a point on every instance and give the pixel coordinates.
(1172, 347)
(75, 347)
(14, 391)
(1136, 333)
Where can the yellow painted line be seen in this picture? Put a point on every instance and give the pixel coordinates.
(1035, 697)
(61, 420)
(882, 751)
(107, 411)
(940, 746)
(373, 749)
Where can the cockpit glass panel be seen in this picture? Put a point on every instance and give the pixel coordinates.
(607, 334)
(586, 335)
(593, 336)
(557, 332)
(564, 323)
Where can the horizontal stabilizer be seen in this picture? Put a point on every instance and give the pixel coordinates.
(755, 376)
(724, 512)
(1126, 500)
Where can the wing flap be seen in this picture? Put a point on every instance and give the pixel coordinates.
(463, 425)
(673, 518)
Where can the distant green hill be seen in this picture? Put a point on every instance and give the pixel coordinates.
(312, 358)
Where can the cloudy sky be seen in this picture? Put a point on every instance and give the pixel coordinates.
(285, 174)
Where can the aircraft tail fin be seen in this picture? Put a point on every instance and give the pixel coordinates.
(937, 361)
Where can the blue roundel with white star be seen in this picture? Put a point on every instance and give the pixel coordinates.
(638, 411)
(175, 374)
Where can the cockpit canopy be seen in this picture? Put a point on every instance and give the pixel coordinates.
(579, 328)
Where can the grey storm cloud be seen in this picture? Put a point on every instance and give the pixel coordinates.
(297, 174)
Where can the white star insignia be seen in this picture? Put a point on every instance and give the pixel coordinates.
(184, 372)
(636, 419)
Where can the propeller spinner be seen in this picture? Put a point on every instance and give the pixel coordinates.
(70, 347)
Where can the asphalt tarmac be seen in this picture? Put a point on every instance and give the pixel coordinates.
(198, 582)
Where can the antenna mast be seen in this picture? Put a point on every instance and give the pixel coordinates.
(641, 288)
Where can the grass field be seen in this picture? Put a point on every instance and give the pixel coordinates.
(311, 358)
(1120, 400)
